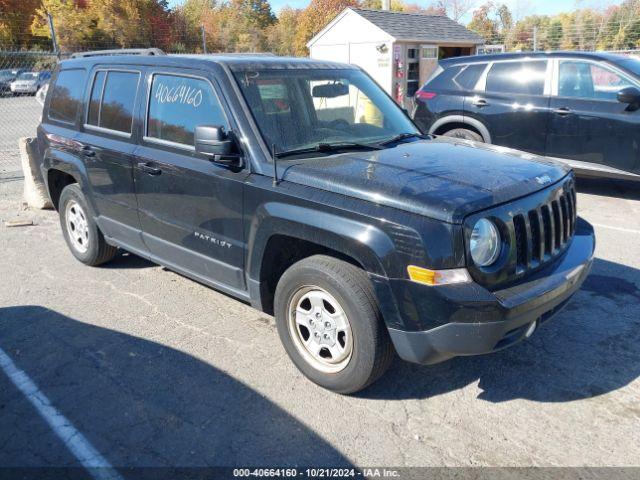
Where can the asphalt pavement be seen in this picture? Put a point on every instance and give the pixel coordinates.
(152, 369)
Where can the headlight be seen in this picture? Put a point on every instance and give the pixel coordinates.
(485, 243)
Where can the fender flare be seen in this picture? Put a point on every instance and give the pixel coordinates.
(64, 161)
(475, 123)
(363, 242)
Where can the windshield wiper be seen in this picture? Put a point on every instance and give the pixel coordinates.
(400, 137)
(328, 147)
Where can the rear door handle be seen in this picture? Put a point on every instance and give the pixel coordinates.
(562, 111)
(151, 170)
(480, 102)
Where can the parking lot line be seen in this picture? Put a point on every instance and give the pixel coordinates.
(80, 447)
(620, 229)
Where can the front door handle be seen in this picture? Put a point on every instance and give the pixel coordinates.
(151, 170)
(480, 102)
(87, 151)
(562, 111)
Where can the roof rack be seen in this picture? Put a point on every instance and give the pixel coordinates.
(121, 51)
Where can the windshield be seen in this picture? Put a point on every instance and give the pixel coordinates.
(632, 64)
(28, 76)
(4, 74)
(297, 109)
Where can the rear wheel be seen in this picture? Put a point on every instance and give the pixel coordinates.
(81, 232)
(464, 133)
(330, 324)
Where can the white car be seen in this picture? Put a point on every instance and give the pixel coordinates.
(29, 82)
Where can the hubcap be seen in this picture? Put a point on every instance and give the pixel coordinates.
(320, 329)
(77, 226)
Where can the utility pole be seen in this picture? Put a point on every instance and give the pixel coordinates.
(204, 39)
(535, 38)
(52, 30)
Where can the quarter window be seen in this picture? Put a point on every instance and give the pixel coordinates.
(178, 104)
(67, 95)
(517, 77)
(588, 80)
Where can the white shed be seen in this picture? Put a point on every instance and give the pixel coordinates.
(399, 50)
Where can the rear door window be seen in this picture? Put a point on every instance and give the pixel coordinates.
(178, 104)
(112, 100)
(517, 77)
(66, 97)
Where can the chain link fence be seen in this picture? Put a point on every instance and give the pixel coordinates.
(22, 74)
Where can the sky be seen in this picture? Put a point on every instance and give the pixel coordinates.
(520, 8)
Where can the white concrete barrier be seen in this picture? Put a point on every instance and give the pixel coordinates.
(35, 192)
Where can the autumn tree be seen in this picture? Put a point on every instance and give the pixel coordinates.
(15, 21)
(483, 22)
(281, 36)
(315, 17)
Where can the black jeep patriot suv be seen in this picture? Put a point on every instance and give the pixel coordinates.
(300, 187)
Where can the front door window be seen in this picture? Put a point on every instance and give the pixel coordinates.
(578, 79)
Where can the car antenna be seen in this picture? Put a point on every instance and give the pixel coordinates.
(275, 164)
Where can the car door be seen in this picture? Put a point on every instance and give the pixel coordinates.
(513, 103)
(108, 141)
(190, 207)
(588, 123)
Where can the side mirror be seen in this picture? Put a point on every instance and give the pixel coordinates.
(629, 95)
(213, 142)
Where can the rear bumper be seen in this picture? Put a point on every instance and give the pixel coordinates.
(506, 317)
(24, 88)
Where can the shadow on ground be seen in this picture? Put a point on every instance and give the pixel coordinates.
(138, 402)
(590, 348)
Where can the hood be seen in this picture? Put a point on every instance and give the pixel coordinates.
(443, 178)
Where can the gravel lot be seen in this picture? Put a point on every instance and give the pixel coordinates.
(156, 370)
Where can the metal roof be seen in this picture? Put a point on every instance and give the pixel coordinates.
(540, 55)
(420, 27)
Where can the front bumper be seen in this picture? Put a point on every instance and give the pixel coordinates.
(479, 321)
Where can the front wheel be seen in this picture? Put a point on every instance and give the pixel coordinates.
(330, 324)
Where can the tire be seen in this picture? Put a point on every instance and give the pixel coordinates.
(347, 298)
(465, 134)
(83, 237)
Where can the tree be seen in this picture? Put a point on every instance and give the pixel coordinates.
(281, 36)
(483, 24)
(455, 9)
(16, 17)
(315, 17)
(74, 25)
(554, 35)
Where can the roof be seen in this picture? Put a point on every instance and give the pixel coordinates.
(420, 27)
(541, 55)
(234, 62)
